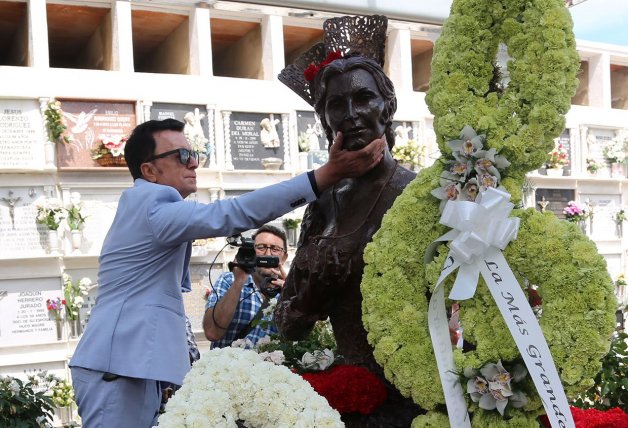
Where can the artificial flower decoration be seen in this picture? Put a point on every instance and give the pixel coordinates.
(110, 150)
(317, 360)
(558, 157)
(312, 70)
(473, 169)
(349, 389)
(492, 390)
(55, 123)
(615, 152)
(74, 210)
(228, 385)
(520, 119)
(114, 143)
(49, 212)
(74, 295)
(409, 153)
(54, 307)
(575, 212)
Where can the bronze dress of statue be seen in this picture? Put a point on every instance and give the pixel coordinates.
(351, 95)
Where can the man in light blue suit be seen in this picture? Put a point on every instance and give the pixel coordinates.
(136, 337)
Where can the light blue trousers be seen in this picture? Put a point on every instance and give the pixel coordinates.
(124, 402)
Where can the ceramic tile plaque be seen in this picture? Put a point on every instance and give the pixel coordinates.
(21, 135)
(89, 123)
(196, 129)
(597, 140)
(255, 140)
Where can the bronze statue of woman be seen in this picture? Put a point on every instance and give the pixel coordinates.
(355, 101)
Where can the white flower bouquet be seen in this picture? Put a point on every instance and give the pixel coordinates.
(232, 384)
(49, 212)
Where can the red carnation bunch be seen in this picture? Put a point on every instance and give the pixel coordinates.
(349, 389)
(593, 418)
(312, 70)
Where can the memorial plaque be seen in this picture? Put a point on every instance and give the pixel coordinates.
(255, 140)
(556, 200)
(25, 319)
(21, 135)
(311, 136)
(196, 127)
(89, 123)
(100, 210)
(20, 234)
(604, 207)
(597, 140)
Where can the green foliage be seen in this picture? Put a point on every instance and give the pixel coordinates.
(408, 153)
(321, 337)
(75, 217)
(62, 393)
(55, 123)
(291, 223)
(611, 383)
(21, 406)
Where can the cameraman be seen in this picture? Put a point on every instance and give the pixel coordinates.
(240, 298)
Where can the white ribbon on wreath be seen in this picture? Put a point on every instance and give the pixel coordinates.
(480, 231)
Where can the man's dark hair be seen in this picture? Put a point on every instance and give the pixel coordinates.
(141, 143)
(267, 228)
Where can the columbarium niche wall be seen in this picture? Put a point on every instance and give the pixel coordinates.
(79, 36)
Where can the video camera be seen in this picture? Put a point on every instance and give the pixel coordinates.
(246, 258)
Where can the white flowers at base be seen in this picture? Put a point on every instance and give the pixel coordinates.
(231, 384)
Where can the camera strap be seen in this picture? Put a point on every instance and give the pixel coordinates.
(258, 316)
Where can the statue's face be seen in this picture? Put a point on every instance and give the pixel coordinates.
(355, 107)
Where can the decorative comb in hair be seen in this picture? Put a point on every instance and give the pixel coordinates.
(343, 36)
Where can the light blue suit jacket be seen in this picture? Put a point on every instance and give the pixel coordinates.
(137, 327)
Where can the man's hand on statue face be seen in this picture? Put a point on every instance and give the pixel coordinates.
(356, 163)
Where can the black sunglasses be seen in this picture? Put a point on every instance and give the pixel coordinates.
(184, 155)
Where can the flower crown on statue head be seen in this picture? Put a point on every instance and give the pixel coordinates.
(344, 36)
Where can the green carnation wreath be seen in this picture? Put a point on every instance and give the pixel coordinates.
(520, 122)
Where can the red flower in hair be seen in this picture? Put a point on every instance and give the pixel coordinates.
(312, 70)
(349, 389)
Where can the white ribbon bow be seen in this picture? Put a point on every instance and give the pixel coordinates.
(477, 226)
(480, 230)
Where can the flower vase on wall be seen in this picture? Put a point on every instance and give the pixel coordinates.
(59, 328)
(292, 236)
(53, 242)
(64, 414)
(49, 154)
(617, 170)
(77, 240)
(75, 327)
(554, 172)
